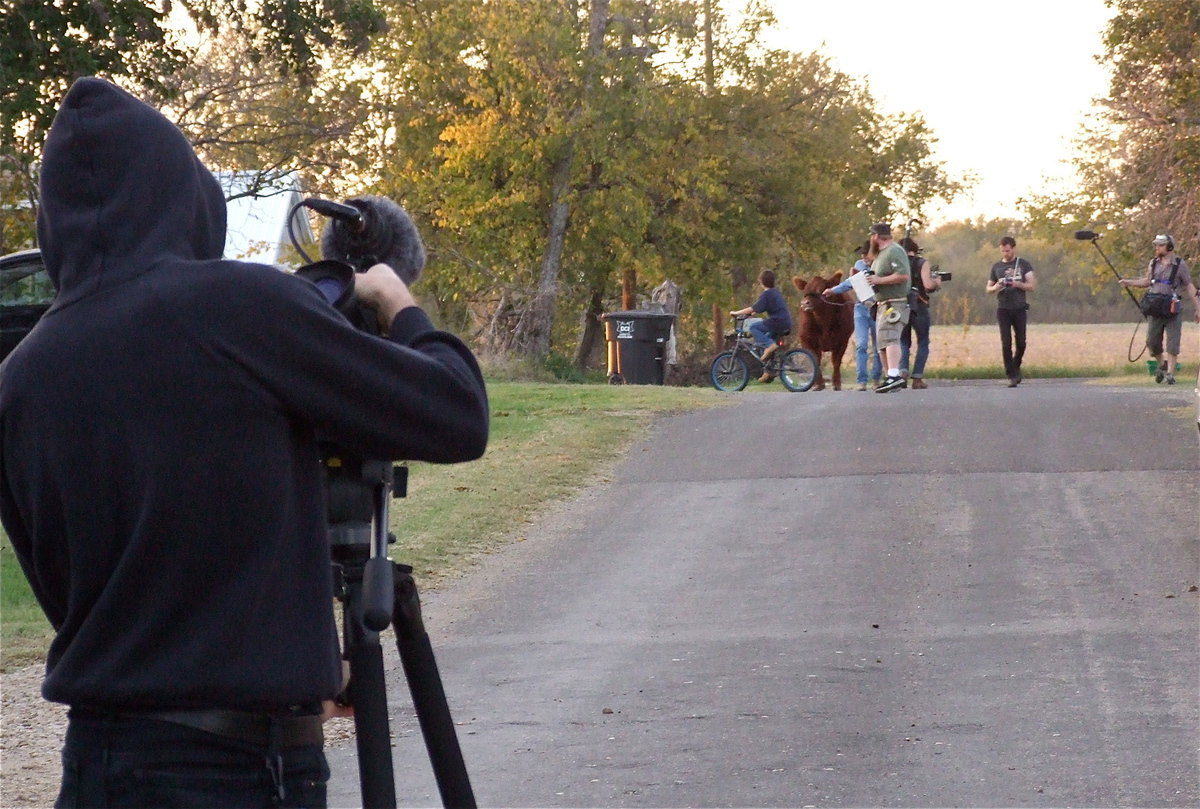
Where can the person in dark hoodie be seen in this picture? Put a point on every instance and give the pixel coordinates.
(161, 480)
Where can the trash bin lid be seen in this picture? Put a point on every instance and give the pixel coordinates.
(635, 315)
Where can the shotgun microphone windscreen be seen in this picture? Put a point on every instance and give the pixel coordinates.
(384, 234)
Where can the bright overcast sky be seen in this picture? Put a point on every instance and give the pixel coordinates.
(1004, 86)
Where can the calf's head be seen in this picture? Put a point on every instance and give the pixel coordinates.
(812, 289)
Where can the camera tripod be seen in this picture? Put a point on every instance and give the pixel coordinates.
(375, 592)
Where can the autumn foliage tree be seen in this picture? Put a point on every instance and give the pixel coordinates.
(551, 146)
(1140, 158)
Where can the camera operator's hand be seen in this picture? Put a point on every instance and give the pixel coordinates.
(334, 710)
(339, 707)
(382, 290)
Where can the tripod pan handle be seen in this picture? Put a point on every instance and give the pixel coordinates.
(378, 593)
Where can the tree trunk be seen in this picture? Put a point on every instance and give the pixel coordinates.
(629, 290)
(532, 334)
(591, 331)
(531, 337)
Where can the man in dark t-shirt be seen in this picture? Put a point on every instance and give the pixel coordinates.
(1010, 279)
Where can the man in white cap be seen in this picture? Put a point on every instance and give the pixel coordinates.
(1166, 274)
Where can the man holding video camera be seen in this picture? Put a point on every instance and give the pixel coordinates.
(924, 284)
(160, 471)
(1010, 279)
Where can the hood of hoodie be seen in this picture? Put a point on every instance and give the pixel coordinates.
(121, 191)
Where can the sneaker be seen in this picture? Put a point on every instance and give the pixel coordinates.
(918, 383)
(890, 384)
(1160, 374)
(767, 377)
(1170, 379)
(1013, 382)
(862, 385)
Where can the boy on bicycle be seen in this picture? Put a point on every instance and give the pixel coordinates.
(778, 320)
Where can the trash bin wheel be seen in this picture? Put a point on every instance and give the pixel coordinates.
(616, 379)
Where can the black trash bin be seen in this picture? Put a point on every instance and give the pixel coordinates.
(636, 344)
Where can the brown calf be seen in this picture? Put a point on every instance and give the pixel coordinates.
(826, 323)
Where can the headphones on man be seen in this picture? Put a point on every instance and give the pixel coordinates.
(1170, 241)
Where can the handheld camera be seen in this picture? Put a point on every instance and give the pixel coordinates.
(363, 232)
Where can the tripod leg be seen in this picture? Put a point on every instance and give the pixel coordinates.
(368, 694)
(429, 698)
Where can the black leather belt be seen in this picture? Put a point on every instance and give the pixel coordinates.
(242, 726)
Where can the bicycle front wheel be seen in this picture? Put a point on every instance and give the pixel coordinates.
(729, 372)
(798, 370)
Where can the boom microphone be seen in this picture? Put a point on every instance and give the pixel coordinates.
(1093, 237)
(371, 230)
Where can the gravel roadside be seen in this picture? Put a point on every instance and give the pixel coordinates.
(31, 734)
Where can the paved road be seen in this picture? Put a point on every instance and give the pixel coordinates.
(765, 607)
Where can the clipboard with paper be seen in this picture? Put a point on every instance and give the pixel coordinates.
(862, 289)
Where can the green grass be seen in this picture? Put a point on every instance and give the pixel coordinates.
(24, 631)
(547, 442)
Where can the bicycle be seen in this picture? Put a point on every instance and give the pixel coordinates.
(730, 370)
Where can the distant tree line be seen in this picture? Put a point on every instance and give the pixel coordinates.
(1069, 288)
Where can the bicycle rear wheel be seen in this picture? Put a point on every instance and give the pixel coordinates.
(798, 370)
(729, 372)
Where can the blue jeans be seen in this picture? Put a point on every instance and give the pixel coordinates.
(864, 343)
(918, 322)
(133, 762)
(762, 335)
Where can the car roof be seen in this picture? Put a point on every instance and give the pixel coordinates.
(15, 266)
(21, 257)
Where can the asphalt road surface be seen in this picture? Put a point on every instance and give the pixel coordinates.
(968, 596)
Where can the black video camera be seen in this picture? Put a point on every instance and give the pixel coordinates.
(363, 232)
(941, 275)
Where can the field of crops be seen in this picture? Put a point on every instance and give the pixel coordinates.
(1103, 347)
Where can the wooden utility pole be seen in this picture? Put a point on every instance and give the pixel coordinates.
(710, 89)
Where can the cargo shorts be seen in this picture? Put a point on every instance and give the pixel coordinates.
(1160, 327)
(891, 317)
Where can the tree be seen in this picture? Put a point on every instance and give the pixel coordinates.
(1068, 291)
(521, 126)
(245, 116)
(136, 43)
(1141, 156)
